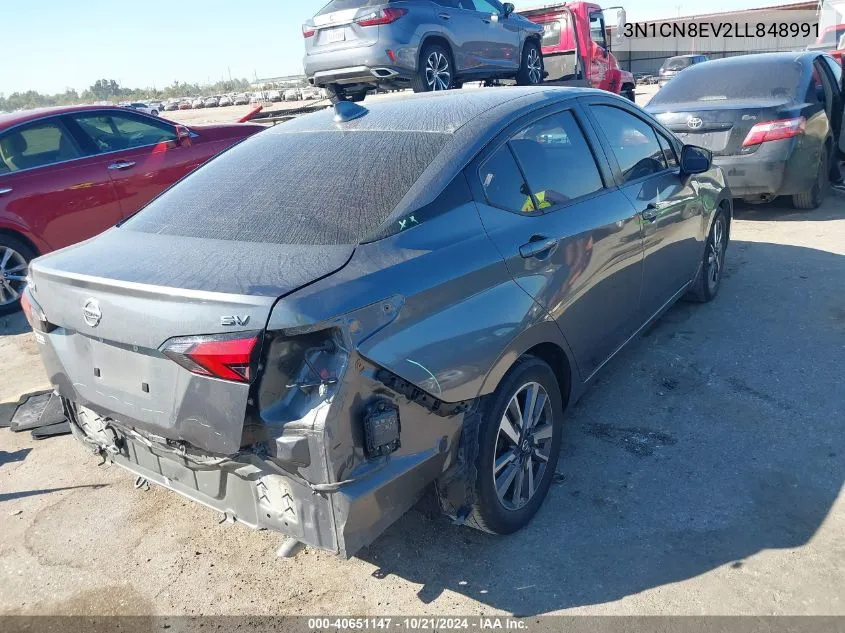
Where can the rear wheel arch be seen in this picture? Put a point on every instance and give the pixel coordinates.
(543, 341)
(440, 40)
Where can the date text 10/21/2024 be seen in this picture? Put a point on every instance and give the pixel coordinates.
(481, 623)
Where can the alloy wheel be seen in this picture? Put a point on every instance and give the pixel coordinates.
(716, 254)
(523, 446)
(438, 74)
(13, 269)
(535, 68)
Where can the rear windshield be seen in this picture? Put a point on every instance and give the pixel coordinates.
(344, 5)
(677, 63)
(295, 188)
(722, 82)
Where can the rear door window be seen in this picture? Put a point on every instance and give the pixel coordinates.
(503, 183)
(36, 145)
(112, 131)
(632, 140)
(556, 160)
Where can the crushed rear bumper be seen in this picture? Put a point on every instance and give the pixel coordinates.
(777, 168)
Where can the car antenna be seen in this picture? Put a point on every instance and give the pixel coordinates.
(348, 111)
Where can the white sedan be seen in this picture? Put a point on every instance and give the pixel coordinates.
(146, 108)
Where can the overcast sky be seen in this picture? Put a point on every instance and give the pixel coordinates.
(50, 45)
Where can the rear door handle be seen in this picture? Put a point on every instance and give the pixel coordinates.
(122, 164)
(537, 246)
(444, 16)
(3, 192)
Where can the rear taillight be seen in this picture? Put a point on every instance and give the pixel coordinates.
(225, 356)
(775, 130)
(308, 31)
(382, 16)
(34, 314)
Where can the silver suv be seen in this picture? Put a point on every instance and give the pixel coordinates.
(354, 46)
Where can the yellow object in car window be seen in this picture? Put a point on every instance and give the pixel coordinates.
(528, 206)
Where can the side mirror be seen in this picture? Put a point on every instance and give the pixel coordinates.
(183, 136)
(509, 8)
(695, 160)
(621, 21)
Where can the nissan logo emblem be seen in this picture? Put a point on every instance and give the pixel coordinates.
(694, 123)
(91, 312)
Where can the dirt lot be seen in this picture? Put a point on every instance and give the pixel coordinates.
(701, 475)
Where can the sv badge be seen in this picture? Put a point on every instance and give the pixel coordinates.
(236, 319)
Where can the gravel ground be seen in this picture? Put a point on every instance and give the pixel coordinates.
(702, 475)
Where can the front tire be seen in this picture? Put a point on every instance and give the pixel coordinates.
(154, 113)
(15, 256)
(436, 70)
(709, 278)
(519, 441)
(531, 68)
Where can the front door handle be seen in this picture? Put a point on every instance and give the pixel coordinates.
(122, 164)
(539, 246)
(3, 192)
(651, 211)
(444, 16)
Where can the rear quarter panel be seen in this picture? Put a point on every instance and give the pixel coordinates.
(461, 309)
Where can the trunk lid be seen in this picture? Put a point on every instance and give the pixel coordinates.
(720, 126)
(337, 30)
(118, 298)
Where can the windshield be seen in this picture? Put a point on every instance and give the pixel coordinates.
(752, 79)
(677, 63)
(295, 188)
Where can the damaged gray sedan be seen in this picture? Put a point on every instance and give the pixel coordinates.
(338, 312)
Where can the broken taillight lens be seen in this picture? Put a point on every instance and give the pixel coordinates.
(224, 356)
(34, 314)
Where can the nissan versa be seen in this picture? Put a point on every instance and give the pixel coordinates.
(316, 325)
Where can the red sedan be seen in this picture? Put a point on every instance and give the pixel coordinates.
(67, 174)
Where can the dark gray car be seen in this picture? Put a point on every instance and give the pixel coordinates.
(354, 46)
(311, 329)
(772, 121)
(672, 66)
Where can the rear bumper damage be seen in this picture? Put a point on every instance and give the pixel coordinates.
(311, 485)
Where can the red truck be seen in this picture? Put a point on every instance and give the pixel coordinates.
(576, 49)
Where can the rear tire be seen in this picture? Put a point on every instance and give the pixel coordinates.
(154, 113)
(531, 68)
(629, 93)
(15, 255)
(813, 198)
(435, 71)
(506, 496)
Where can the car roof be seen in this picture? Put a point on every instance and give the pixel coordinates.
(442, 112)
(797, 56)
(471, 117)
(14, 118)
